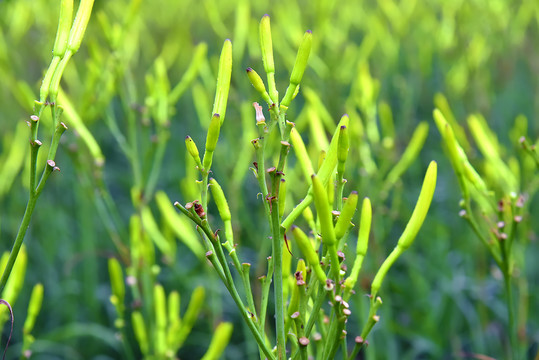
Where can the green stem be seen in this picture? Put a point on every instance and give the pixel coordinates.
(506, 270)
(278, 280)
(19, 239)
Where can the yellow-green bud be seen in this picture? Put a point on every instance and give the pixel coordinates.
(79, 25)
(258, 84)
(223, 80)
(173, 307)
(266, 44)
(192, 149)
(421, 208)
(219, 341)
(220, 200)
(211, 140)
(324, 212)
(347, 212)
(306, 248)
(302, 58)
(36, 299)
(117, 280)
(64, 26)
(160, 306)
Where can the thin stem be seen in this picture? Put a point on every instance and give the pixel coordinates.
(509, 295)
(19, 239)
(278, 281)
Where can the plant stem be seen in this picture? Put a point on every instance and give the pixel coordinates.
(278, 280)
(20, 238)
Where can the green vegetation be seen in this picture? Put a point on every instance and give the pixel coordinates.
(176, 184)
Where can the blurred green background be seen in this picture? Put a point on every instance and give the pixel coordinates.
(443, 299)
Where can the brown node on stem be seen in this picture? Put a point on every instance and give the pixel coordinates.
(303, 341)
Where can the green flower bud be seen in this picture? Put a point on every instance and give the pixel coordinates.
(160, 306)
(324, 212)
(219, 341)
(301, 59)
(117, 281)
(301, 153)
(410, 154)
(223, 81)
(258, 84)
(193, 150)
(36, 299)
(347, 212)
(306, 248)
(193, 309)
(362, 244)
(412, 228)
(64, 26)
(79, 25)
(211, 141)
(139, 329)
(266, 44)
(421, 208)
(342, 148)
(220, 200)
(173, 307)
(328, 166)
(299, 68)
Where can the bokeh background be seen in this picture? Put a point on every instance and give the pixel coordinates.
(386, 63)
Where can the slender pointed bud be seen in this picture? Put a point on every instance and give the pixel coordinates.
(219, 341)
(342, 152)
(301, 59)
(451, 142)
(324, 212)
(328, 166)
(299, 68)
(266, 44)
(412, 228)
(174, 302)
(160, 306)
(139, 329)
(342, 149)
(364, 227)
(301, 153)
(117, 282)
(223, 80)
(347, 212)
(421, 208)
(64, 26)
(362, 243)
(258, 84)
(220, 200)
(307, 250)
(34, 307)
(79, 25)
(211, 140)
(193, 310)
(192, 149)
(410, 154)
